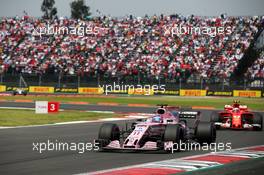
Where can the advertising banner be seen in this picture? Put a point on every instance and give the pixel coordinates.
(118, 92)
(90, 90)
(2, 88)
(219, 93)
(12, 88)
(172, 92)
(192, 92)
(246, 93)
(41, 89)
(140, 91)
(66, 90)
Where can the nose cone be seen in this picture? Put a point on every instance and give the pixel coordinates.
(236, 122)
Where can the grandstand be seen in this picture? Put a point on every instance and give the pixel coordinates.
(130, 49)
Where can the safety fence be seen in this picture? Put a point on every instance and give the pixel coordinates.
(136, 91)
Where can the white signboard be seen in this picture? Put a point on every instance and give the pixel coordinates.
(41, 107)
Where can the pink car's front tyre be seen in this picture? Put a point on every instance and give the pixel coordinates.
(109, 132)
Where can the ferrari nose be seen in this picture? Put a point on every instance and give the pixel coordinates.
(236, 122)
(236, 126)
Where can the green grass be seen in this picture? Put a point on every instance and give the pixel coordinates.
(253, 103)
(21, 117)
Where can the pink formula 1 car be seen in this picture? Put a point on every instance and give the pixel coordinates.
(169, 125)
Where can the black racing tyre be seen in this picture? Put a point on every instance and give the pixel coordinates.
(109, 131)
(257, 119)
(205, 132)
(172, 133)
(215, 117)
(14, 93)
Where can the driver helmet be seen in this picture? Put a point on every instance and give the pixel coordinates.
(236, 110)
(157, 119)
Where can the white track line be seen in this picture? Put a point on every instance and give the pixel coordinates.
(149, 163)
(144, 115)
(20, 108)
(106, 112)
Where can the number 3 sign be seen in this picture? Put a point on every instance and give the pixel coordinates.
(44, 107)
(53, 107)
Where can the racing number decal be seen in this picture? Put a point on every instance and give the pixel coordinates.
(53, 107)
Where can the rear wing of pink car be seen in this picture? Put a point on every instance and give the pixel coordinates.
(189, 114)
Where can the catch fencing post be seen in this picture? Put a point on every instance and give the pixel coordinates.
(1, 79)
(40, 77)
(223, 84)
(78, 81)
(201, 84)
(59, 81)
(180, 82)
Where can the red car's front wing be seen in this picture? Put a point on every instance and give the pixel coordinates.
(243, 127)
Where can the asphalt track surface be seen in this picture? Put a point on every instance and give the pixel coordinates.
(17, 155)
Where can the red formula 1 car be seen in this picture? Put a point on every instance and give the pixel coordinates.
(237, 116)
(169, 125)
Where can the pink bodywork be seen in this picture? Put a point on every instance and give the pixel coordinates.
(132, 141)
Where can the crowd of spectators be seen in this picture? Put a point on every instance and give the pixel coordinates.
(257, 69)
(128, 46)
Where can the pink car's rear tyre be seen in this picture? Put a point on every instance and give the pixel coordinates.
(205, 132)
